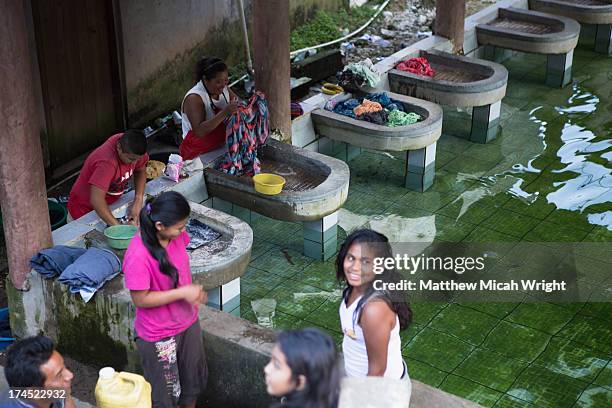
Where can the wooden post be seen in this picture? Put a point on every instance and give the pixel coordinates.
(450, 20)
(271, 60)
(23, 195)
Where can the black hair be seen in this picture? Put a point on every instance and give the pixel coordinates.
(23, 361)
(209, 67)
(380, 244)
(311, 353)
(168, 208)
(134, 141)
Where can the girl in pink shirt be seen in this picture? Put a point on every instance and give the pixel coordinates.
(157, 273)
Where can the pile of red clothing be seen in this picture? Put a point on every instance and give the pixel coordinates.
(418, 66)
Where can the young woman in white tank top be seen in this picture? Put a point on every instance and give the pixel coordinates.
(371, 320)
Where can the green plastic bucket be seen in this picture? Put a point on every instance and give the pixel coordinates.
(57, 215)
(119, 236)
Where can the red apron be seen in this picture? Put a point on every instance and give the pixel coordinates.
(193, 146)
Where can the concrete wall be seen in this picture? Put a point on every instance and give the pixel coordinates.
(163, 39)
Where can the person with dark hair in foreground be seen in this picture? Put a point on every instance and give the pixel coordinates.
(371, 319)
(36, 375)
(205, 108)
(304, 370)
(168, 334)
(105, 176)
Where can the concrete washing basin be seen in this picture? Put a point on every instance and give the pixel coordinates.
(418, 140)
(213, 264)
(225, 259)
(460, 82)
(535, 32)
(597, 12)
(316, 187)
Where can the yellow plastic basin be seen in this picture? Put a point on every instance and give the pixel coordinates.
(269, 184)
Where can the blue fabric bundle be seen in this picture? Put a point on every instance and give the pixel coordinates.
(385, 101)
(84, 270)
(346, 108)
(90, 271)
(51, 262)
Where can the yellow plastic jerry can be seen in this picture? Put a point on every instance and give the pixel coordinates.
(122, 390)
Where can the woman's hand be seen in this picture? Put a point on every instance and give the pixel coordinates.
(203, 297)
(192, 293)
(230, 108)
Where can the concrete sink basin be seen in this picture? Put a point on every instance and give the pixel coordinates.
(535, 32)
(460, 82)
(213, 264)
(317, 185)
(418, 140)
(379, 137)
(596, 12)
(225, 259)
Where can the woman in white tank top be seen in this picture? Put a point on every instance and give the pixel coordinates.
(205, 108)
(371, 319)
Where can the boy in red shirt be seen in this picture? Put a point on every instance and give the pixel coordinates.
(105, 176)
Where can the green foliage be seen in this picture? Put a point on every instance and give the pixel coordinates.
(327, 26)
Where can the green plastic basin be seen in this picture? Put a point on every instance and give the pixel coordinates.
(119, 236)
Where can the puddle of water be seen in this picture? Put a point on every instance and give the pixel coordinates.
(521, 393)
(565, 365)
(582, 152)
(334, 295)
(285, 170)
(501, 179)
(594, 182)
(593, 185)
(490, 186)
(592, 397)
(419, 230)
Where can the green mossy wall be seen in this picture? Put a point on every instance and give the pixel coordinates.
(163, 91)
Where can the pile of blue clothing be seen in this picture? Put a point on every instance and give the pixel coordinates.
(84, 270)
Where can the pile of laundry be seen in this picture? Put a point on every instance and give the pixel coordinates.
(200, 234)
(358, 74)
(417, 66)
(375, 108)
(296, 110)
(84, 270)
(246, 130)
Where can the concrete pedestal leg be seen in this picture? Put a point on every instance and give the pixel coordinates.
(226, 297)
(244, 214)
(559, 69)
(495, 54)
(321, 237)
(485, 122)
(420, 168)
(603, 39)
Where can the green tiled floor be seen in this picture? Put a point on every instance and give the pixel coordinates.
(518, 353)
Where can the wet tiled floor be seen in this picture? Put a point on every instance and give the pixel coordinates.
(546, 178)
